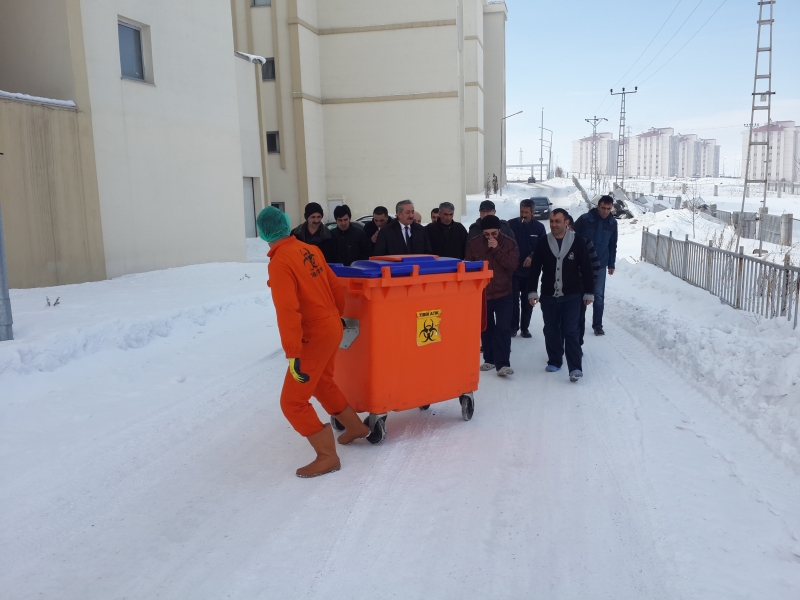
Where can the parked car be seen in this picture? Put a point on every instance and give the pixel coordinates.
(359, 224)
(531, 179)
(541, 207)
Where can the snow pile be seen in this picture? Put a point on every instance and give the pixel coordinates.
(748, 365)
(37, 99)
(130, 312)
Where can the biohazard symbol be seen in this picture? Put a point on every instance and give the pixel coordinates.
(429, 324)
(309, 257)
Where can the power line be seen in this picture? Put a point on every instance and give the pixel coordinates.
(648, 45)
(669, 40)
(687, 41)
(642, 54)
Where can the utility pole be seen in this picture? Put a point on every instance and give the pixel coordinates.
(594, 176)
(549, 152)
(541, 147)
(762, 100)
(6, 331)
(622, 151)
(520, 156)
(502, 130)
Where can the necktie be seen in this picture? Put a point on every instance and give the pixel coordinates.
(407, 235)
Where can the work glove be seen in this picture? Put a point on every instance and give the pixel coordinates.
(294, 369)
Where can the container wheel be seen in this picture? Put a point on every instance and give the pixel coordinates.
(336, 425)
(378, 433)
(426, 407)
(467, 406)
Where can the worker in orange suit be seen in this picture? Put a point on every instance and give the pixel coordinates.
(309, 302)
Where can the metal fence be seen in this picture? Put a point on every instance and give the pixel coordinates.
(748, 224)
(768, 289)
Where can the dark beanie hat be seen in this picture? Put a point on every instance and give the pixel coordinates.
(486, 205)
(490, 222)
(312, 208)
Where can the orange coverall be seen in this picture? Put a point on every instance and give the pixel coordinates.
(309, 302)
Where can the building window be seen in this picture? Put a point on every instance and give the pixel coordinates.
(273, 143)
(131, 58)
(262, 2)
(281, 206)
(268, 70)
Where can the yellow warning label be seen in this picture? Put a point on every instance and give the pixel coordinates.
(429, 323)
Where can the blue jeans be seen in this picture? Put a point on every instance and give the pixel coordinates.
(599, 298)
(519, 294)
(496, 340)
(561, 317)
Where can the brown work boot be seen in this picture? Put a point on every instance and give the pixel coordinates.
(354, 428)
(327, 461)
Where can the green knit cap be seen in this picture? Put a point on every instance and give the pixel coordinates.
(273, 224)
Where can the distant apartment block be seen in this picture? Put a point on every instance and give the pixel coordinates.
(780, 159)
(607, 148)
(660, 152)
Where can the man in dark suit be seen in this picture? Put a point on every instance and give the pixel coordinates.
(403, 235)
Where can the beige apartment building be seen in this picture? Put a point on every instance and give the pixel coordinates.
(122, 134)
(367, 102)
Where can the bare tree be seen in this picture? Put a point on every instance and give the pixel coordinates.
(495, 184)
(487, 186)
(559, 172)
(694, 202)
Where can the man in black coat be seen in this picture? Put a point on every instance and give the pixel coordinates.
(447, 237)
(487, 208)
(403, 235)
(380, 219)
(561, 257)
(312, 231)
(348, 242)
(527, 232)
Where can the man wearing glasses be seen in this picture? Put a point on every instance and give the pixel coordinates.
(502, 254)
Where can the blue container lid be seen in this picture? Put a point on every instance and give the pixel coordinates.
(404, 266)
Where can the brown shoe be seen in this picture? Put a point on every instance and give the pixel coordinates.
(327, 461)
(354, 428)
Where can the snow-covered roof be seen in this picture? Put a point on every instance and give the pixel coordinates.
(37, 99)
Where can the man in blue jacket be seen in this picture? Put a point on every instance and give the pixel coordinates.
(599, 226)
(527, 232)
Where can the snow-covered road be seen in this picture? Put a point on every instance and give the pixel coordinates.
(167, 470)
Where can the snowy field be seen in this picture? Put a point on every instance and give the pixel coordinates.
(145, 455)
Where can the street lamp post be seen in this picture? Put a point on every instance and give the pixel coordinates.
(502, 169)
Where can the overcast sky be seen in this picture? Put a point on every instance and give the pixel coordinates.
(565, 56)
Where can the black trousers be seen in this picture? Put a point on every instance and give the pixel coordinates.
(520, 319)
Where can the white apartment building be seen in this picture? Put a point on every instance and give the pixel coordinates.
(697, 157)
(607, 148)
(652, 153)
(780, 159)
(368, 102)
(138, 162)
(660, 152)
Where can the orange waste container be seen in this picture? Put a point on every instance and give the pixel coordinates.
(412, 335)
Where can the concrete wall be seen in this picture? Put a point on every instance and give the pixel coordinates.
(474, 106)
(50, 210)
(169, 164)
(34, 49)
(494, 88)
